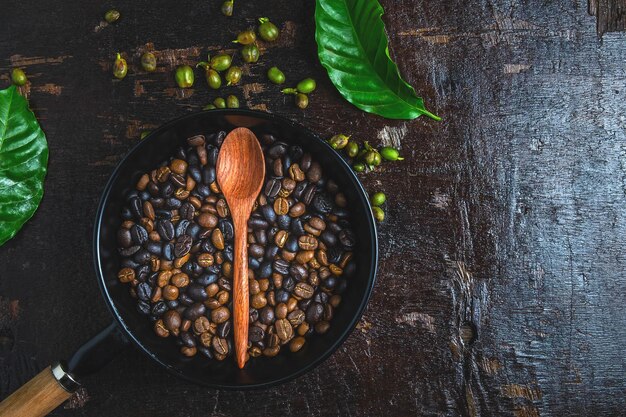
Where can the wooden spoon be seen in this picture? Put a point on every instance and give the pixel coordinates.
(240, 175)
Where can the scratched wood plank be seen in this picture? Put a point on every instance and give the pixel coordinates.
(500, 290)
(611, 15)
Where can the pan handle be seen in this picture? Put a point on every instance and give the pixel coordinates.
(55, 384)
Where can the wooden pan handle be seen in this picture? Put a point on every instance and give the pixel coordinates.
(39, 396)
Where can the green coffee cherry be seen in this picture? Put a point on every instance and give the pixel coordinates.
(246, 37)
(18, 77)
(268, 31)
(289, 91)
(148, 62)
(302, 100)
(358, 167)
(372, 158)
(213, 79)
(233, 75)
(221, 62)
(220, 103)
(378, 199)
(378, 213)
(352, 149)
(306, 86)
(250, 53)
(232, 102)
(112, 16)
(275, 75)
(120, 68)
(338, 141)
(144, 134)
(209, 107)
(227, 8)
(184, 76)
(390, 154)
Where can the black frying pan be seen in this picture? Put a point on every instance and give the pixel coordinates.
(51, 387)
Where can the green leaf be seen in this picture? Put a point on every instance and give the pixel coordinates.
(23, 163)
(352, 46)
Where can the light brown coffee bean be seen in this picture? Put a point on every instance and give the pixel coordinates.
(314, 173)
(197, 140)
(303, 329)
(207, 220)
(217, 238)
(222, 208)
(281, 238)
(202, 155)
(190, 184)
(297, 210)
(288, 256)
(303, 290)
(201, 325)
(181, 193)
(220, 315)
(206, 339)
(212, 289)
(304, 256)
(281, 206)
(143, 182)
(335, 270)
(179, 262)
(296, 343)
(307, 242)
(180, 280)
(160, 330)
(162, 174)
(292, 303)
(170, 292)
(283, 329)
(205, 260)
(281, 311)
(220, 346)
(178, 166)
(296, 173)
(322, 327)
(172, 321)
(296, 317)
(126, 275)
(253, 287)
(157, 295)
(277, 167)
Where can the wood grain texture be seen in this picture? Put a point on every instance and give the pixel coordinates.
(36, 398)
(501, 283)
(240, 174)
(610, 14)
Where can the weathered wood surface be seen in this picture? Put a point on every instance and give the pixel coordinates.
(501, 285)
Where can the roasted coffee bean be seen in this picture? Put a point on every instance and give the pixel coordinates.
(277, 167)
(197, 292)
(297, 210)
(208, 174)
(297, 228)
(217, 238)
(139, 234)
(194, 311)
(220, 345)
(212, 153)
(142, 257)
(172, 321)
(296, 317)
(289, 284)
(283, 329)
(303, 290)
(154, 248)
(314, 312)
(269, 213)
(160, 330)
(329, 238)
(307, 243)
(314, 173)
(124, 238)
(144, 291)
(187, 211)
(283, 222)
(270, 252)
(255, 334)
(207, 220)
(281, 266)
(182, 246)
(266, 315)
(136, 207)
(197, 140)
(322, 327)
(296, 173)
(181, 227)
(223, 330)
(346, 237)
(228, 231)
(129, 251)
(281, 206)
(220, 315)
(272, 188)
(299, 272)
(277, 150)
(256, 251)
(257, 223)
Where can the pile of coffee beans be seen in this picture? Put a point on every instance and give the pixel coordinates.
(176, 243)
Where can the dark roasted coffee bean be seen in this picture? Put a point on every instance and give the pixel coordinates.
(266, 315)
(258, 223)
(260, 236)
(166, 190)
(292, 244)
(270, 252)
(329, 238)
(129, 251)
(226, 226)
(224, 283)
(254, 315)
(154, 248)
(320, 297)
(268, 212)
(281, 266)
(309, 194)
(193, 231)
(299, 190)
(187, 211)
(281, 296)
(314, 173)
(187, 339)
(265, 270)
(303, 290)
(295, 152)
(168, 251)
(136, 208)
(194, 311)
(289, 284)
(182, 246)
(205, 351)
(208, 174)
(253, 263)
(297, 227)
(142, 256)
(305, 162)
(126, 213)
(272, 187)
(181, 227)
(314, 312)
(220, 345)
(329, 283)
(207, 246)
(172, 203)
(223, 330)
(296, 317)
(346, 237)
(178, 180)
(142, 273)
(283, 222)
(195, 173)
(197, 140)
(143, 308)
(298, 272)
(212, 154)
(139, 234)
(158, 309)
(207, 279)
(255, 334)
(203, 190)
(163, 214)
(197, 292)
(124, 238)
(165, 229)
(256, 251)
(322, 203)
(277, 150)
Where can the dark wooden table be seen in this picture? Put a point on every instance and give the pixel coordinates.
(501, 288)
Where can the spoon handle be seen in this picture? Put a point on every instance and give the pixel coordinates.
(241, 298)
